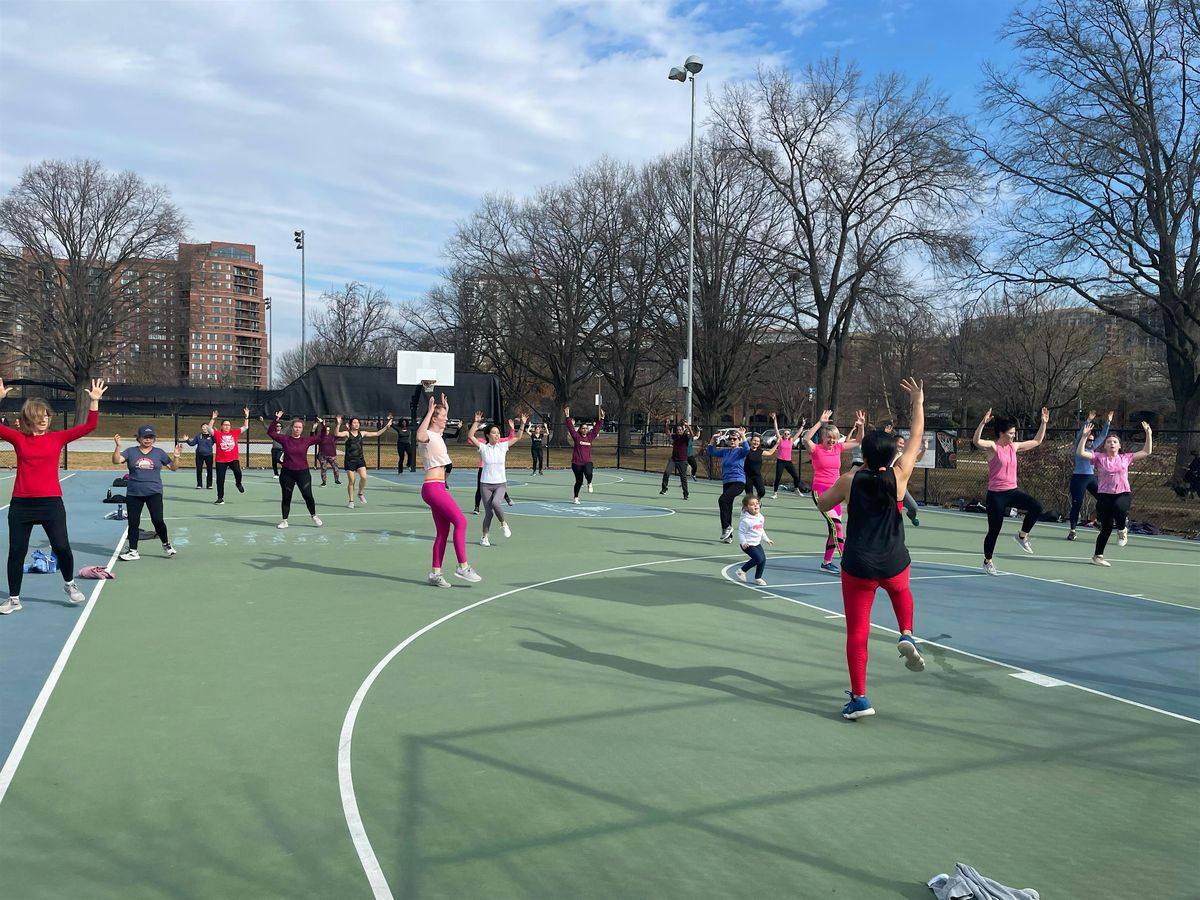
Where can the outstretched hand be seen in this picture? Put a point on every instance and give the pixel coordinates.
(915, 390)
(117, 440)
(826, 416)
(860, 417)
(4, 391)
(987, 416)
(97, 389)
(246, 411)
(1045, 415)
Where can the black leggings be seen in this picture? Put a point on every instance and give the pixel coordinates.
(535, 453)
(202, 463)
(1113, 512)
(222, 468)
(479, 490)
(23, 514)
(730, 491)
(692, 465)
(997, 504)
(276, 459)
(1081, 486)
(289, 480)
(785, 465)
(403, 451)
(582, 471)
(755, 480)
(154, 505)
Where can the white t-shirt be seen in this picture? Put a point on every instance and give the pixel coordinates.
(493, 463)
(434, 452)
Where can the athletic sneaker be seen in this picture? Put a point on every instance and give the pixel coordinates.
(1122, 537)
(662, 492)
(507, 500)
(1071, 535)
(484, 542)
(73, 592)
(857, 707)
(989, 568)
(276, 477)
(575, 501)
(740, 575)
(1099, 560)
(913, 661)
(1023, 542)
(916, 522)
(199, 487)
(761, 582)
(317, 521)
(168, 549)
(589, 487)
(436, 579)
(507, 531)
(685, 496)
(726, 532)
(728, 539)
(830, 568)
(466, 573)
(362, 499)
(218, 503)
(474, 512)
(130, 555)
(775, 496)
(282, 524)
(11, 605)
(350, 504)
(324, 483)
(337, 481)
(242, 490)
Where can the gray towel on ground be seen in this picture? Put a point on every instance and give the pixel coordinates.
(967, 884)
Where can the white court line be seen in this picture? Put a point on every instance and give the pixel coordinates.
(835, 581)
(986, 659)
(358, 833)
(1078, 559)
(35, 714)
(273, 517)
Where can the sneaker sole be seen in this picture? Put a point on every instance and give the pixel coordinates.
(861, 714)
(913, 661)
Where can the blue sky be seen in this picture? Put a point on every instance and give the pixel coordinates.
(376, 126)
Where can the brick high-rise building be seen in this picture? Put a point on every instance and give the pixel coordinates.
(223, 333)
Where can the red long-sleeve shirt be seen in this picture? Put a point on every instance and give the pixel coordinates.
(37, 457)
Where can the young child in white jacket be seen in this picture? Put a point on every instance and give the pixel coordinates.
(751, 536)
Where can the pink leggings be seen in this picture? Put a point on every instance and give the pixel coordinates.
(857, 596)
(445, 513)
(833, 521)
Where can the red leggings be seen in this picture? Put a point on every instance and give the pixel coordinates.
(445, 514)
(857, 596)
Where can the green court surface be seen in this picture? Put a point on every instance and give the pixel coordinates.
(296, 714)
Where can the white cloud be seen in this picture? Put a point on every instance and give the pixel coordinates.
(372, 125)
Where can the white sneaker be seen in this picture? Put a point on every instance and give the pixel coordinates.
(484, 542)
(276, 477)
(350, 504)
(466, 573)
(1023, 542)
(436, 580)
(72, 590)
(739, 575)
(760, 581)
(989, 568)
(913, 661)
(362, 499)
(169, 550)
(507, 531)
(282, 524)
(576, 501)
(1122, 537)
(1100, 561)
(11, 605)
(317, 521)
(775, 496)
(589, 487)
(130, 555)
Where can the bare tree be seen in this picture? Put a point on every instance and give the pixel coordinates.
(355, 328)
(1096, 140)
(92, 251)
(868, 176)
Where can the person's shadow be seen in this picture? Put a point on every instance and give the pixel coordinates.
(699, 676)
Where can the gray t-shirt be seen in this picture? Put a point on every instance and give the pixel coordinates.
(144, 469)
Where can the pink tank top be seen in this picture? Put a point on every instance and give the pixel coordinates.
(1112, 473)
(826, 463)
(785, 450)
(1002, 468)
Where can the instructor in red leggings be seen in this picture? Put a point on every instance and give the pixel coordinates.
(875, 555)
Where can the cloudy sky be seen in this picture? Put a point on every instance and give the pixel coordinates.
(375, 126)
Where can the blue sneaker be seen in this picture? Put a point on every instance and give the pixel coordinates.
(857, 708)
(830, 568)
(913, 661)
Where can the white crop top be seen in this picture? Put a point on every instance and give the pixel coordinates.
(434, 452)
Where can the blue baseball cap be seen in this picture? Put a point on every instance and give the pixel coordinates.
(146, 431)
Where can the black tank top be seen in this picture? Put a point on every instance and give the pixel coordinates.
(354, 446)
(754, 461)
(874, 531)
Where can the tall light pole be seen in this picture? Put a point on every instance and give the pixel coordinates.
(270, 347)
(299, 238)
(691, 68)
